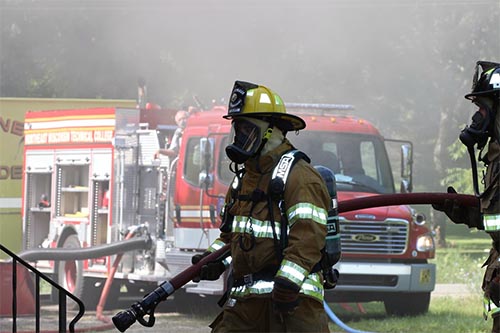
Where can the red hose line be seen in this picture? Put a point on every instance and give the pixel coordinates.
(345, 206)
(405, 199)
(107, 286)
(170, 286)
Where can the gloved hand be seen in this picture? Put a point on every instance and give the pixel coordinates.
(285, 296)
(210, 271)
(460, 214)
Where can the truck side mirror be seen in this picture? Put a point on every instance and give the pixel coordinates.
(406, 168)
(205, 178)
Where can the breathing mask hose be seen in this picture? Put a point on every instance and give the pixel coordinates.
(467, 137)
(473, 163)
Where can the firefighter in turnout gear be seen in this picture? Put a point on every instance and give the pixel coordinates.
(484, 132)
(275, 283)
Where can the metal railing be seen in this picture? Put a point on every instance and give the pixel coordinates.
(62, 293)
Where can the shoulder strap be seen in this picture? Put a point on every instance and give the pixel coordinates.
(282, 170)
(277, 190)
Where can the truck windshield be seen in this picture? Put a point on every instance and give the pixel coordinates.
(360, 162)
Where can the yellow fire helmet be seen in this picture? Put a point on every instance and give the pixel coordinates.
(251, 100)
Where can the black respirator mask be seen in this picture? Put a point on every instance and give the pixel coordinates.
(480, 129)
(485, 94)
(247, 140)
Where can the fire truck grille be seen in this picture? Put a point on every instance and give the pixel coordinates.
(374, 237)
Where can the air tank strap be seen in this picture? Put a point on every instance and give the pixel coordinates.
(277, 189)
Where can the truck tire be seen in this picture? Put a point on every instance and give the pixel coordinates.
(69, 273)
(407, 304)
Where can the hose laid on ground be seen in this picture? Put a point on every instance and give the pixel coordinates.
(339, 322)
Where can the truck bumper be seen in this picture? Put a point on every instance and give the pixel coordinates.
(385, 277)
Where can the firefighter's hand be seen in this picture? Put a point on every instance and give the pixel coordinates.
(459, 214)
(285, 297)
(210, 271)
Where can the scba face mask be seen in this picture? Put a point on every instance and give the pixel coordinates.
(482, 125)
(485, 93)
(247, 137)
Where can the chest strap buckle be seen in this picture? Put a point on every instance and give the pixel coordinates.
(248, 280)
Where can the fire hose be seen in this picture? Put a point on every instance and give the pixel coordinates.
(146, 307)
(139, 243)
(117, 248)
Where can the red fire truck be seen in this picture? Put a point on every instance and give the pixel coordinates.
(92, 180)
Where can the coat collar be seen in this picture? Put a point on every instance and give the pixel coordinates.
(266, 163)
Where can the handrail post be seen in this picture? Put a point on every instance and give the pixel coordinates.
(14, 296)
(63, 294)
(62, 312)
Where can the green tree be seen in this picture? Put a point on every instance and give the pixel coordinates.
(404, 64)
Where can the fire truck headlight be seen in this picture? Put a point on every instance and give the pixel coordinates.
(425, 243)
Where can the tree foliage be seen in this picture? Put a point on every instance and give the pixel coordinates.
(404, 64)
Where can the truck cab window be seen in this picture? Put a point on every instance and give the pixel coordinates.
(192, 163)
(225, 175)
(368, 159)
(359, 162)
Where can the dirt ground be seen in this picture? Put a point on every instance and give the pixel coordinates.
(170, 317)
(193, 315)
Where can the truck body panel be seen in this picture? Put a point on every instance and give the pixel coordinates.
(12, 112)
(100, 169)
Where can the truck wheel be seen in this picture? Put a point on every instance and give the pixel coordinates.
(407, 304)
(70, 272)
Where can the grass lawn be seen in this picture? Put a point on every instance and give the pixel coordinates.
(460, 262)
(446, 315)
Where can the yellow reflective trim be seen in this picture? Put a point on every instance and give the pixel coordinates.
(261, 229)
(489, 308)
(491, 222)
(306, 210)
(292, 272)
(311, 287)
(216, 245)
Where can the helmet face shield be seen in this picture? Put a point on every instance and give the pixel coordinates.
(245, 137)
